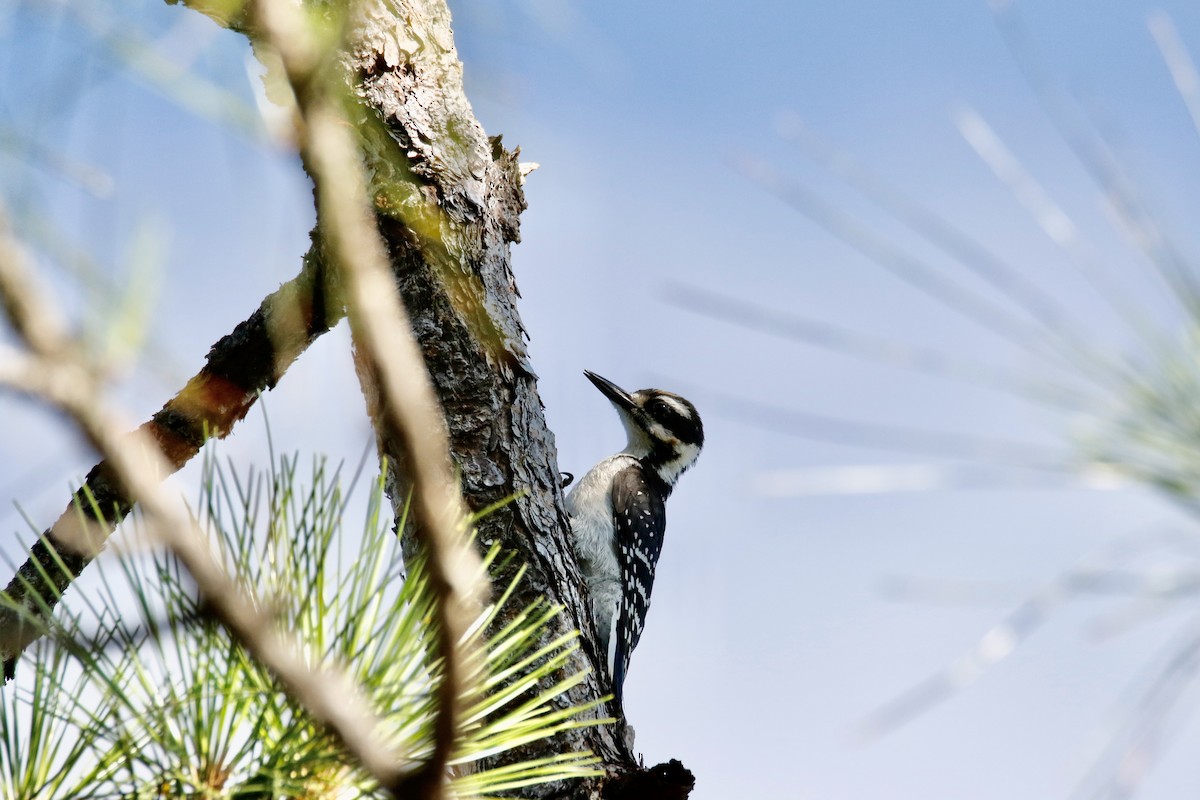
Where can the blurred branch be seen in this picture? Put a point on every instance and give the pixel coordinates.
(1179, 62)
(1043, 307)
(91, 179)
(1158, 584)
(238, 368)
(1054, 222)
(981, 310)
(33, 318)
(1131, 748)
(1169, 263)
(821, 427)
(164, 73)
(994, 646)
(755, 316)
(383, 333)
(1104, 571)
(138, 466)
(1065, 333)
(921, 477)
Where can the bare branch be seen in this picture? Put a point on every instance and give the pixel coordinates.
(1179, 62)
(253, 357)
(950, 293)
(1106, 172)
(138, 464)
(383, 334)
(883, 350)
(36, 321)
(906, 438)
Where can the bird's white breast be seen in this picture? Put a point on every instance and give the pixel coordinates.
(589, 505)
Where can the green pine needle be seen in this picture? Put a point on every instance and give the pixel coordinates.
(139, 694)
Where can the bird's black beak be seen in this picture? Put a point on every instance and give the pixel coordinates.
(619, 397)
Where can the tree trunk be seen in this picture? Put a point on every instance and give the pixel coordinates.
(448, 203)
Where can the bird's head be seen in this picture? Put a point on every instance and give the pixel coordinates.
(665, 432)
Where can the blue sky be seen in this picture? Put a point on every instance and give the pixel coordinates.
(772, 635)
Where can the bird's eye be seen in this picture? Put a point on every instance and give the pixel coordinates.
(662, 411)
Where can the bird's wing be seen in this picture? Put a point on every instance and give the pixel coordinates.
(639, 520)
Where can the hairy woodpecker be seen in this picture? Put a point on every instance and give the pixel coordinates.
(618, 513)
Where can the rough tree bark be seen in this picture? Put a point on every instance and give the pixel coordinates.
(448, 203)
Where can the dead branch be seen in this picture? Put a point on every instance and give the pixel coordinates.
(137, 465)
(411, 418)
(239, 367)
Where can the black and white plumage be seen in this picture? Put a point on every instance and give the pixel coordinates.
(618, 513)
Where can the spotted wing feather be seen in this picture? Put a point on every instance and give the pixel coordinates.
(639, 521)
